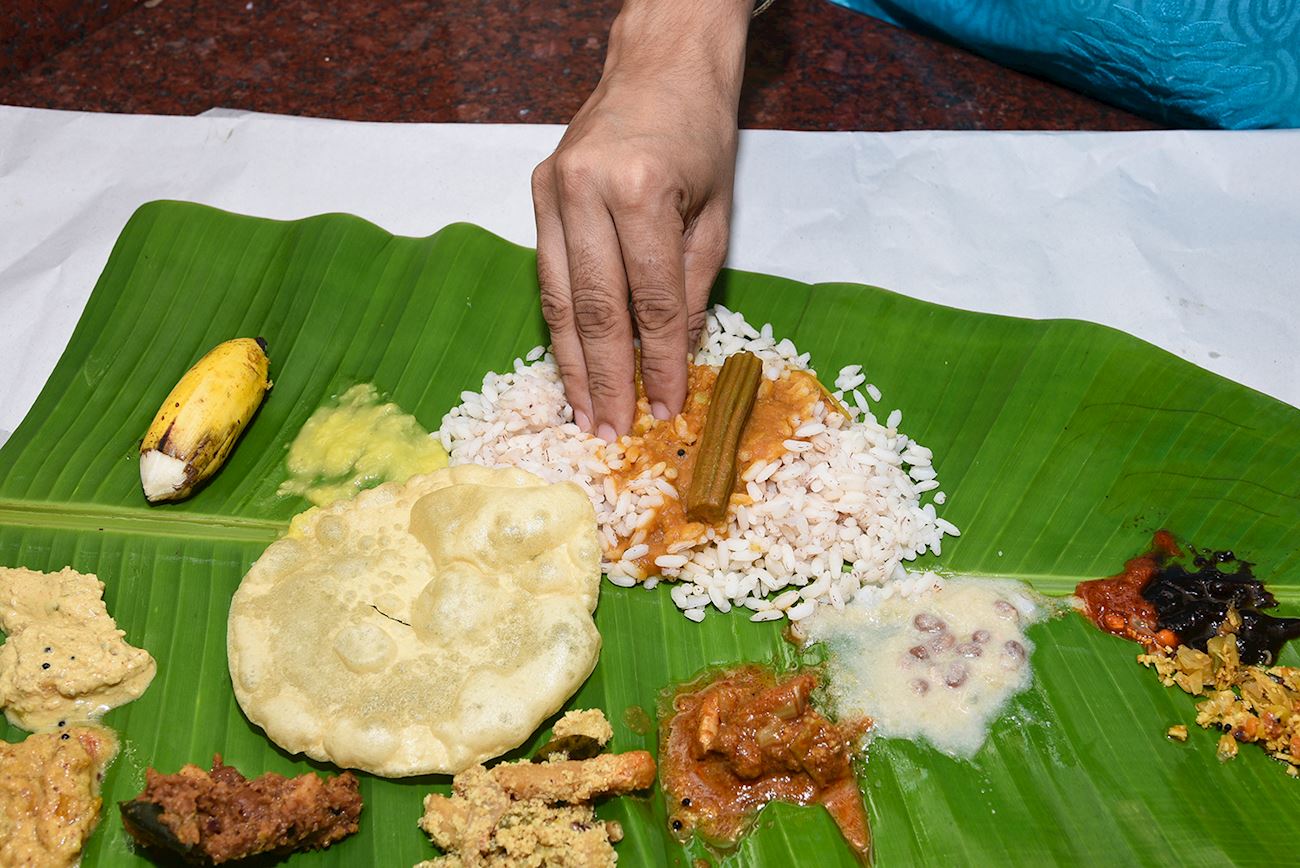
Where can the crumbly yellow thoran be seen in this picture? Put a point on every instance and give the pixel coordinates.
(533, 815)
(589, 722)
(482, 825)
(1246, 703)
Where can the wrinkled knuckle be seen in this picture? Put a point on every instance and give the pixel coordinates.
(636, 181)
(695, 323)
(657, 307)
(640, 181)
(574, 173)
(571, 371)
(603, 384)
(657, 370)
(695, 331)
(597, 312)
(556, 306)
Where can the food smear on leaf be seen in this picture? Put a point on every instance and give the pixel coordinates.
(736, 740)
(534, 814)
(210, 818)
(49, 795)
(638, 720)
(357, 443)
(929, 659)
(65, 660)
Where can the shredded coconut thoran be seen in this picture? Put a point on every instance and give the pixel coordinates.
(533, 815)
(1246, 703)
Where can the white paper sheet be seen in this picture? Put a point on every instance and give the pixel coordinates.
(1188, 240)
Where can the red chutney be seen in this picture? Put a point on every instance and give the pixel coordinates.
(743, 739)
(1116, 604)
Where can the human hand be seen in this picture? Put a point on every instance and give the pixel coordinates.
(635, 204)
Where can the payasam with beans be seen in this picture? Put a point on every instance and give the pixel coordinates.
(940, 663)
(671, 451)
(737, 740)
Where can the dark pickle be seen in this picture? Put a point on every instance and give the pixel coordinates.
(1194, 603)
(1261, 637)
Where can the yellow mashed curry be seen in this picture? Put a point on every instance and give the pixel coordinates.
(49, 795)
(357, 444)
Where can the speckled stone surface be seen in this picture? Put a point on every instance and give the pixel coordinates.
(812, 66)
(32, 30)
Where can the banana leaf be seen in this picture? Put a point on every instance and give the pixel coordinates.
(1061, 445)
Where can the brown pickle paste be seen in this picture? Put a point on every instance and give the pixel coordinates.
(735, 742)
(208, 818)
(1116, 604)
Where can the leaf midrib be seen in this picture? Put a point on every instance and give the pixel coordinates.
(143, 522)
(227, 528)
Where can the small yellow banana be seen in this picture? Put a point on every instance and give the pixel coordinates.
(202, 418)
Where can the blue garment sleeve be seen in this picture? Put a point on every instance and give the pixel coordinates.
(1190, 63)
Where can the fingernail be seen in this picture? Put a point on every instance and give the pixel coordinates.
(606, 433)
(660, 411)
(583, 420)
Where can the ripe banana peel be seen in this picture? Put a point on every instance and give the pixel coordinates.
(198, 424)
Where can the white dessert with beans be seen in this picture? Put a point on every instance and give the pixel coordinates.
(939, 665)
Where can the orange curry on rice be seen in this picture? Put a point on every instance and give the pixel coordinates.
(667, 450)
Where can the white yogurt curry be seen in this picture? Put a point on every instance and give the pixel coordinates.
(938, 664)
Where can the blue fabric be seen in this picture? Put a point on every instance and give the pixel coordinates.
(1202, 63)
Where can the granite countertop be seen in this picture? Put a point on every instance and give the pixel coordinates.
(812, 65)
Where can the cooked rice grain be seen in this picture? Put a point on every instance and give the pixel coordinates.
(837, 513)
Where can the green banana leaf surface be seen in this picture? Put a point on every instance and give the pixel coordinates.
(1061, 445)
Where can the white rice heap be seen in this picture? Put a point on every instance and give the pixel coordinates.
(840, 511)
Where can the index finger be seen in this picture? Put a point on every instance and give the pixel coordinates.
(598, 288)
(654, 258)
(557, 306)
